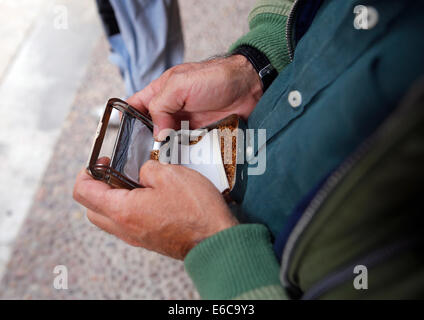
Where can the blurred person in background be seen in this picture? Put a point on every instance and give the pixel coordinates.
(145, 38)
(338, 213)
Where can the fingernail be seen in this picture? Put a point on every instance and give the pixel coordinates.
(163, 134)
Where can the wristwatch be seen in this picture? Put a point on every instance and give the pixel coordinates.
(267, 73)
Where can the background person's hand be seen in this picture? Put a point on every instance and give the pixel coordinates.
(201, 92)
(177, 209)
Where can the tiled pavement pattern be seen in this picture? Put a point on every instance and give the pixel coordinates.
(56, 231)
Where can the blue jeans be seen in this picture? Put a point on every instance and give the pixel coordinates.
(150, 40)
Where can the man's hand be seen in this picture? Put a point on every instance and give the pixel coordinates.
(202, 93)
(177, 209)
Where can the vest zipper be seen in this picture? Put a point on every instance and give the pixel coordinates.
(289, 29)
(313, 207)
(346, 273)
(330, 184)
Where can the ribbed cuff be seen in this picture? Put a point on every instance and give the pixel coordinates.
(267, 34)
(233, 262)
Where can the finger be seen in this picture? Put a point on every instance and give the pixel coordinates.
(103, 222)
(108, 225)
(166, 103)
(97, 195)
(141, 99)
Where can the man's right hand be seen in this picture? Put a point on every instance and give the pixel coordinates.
(201, 92)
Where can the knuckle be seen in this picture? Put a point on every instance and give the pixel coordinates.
(170, 170)
(122, 218)
(155, 105)
(167, 174)
(132, 242)
(148, 167)
(172, 71)
(166, 171)
(91, 217)
(178, 85)
(76, 194)
(80, 188)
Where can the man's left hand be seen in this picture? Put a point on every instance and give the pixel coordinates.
(177, 209)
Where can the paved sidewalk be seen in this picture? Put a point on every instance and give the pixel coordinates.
(41, 68)
(56, 232)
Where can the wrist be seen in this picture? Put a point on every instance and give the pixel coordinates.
(243, 259)
(220, 223)
(266, 72)
(248, 73)
(246, 81)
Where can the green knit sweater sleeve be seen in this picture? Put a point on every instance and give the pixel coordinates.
(267, 24)
(236, 263)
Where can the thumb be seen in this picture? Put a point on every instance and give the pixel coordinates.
(151, 174)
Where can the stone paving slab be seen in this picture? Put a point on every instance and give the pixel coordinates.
(56, 231)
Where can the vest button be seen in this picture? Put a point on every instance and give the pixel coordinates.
(249, 153)
(295, 99)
